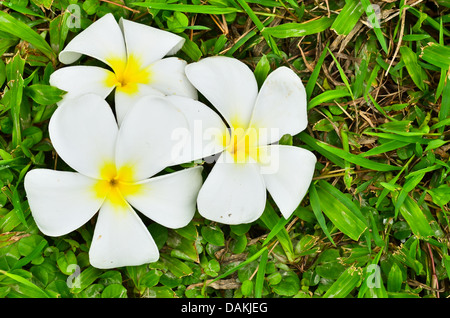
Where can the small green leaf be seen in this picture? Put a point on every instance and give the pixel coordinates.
(178, 22)
(213, 235)
(247, 287)
(395, 280)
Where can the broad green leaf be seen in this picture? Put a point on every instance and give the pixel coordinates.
(436, 54)
(413, 214)
(440, 195)
(345, 284)
(213, 235)
(395, 279)
(329, 265)
(289, 284)
(416, 72)
(114, 291)
(247, 287)
(342, 217)
(86, 278)
(177, 267)
(44, 94)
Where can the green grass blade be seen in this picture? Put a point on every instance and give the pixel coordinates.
(315, 205)
(315, 74)
(444, 111)
(235, 268)
(271, 220)
(388, 146)
(348, 17)
(328, 96)
(270, 41)
(357, 160)
(342, 73)
(16, 85)
(15, 27)
(37, 292)
(188, 8)
(315, 145)
(369, 9)
(292, 30)
(259, 283)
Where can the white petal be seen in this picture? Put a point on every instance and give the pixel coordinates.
(280, 107)
(78, 80)
(121, 239)
(124, 101)
(289, 176)
(170, 199)
(147, 43)
(206, 127)
(228, 84)
(60, 201)
(232, 193)
(83, 131)
(148, 139)
(168, 76)
(102, 40)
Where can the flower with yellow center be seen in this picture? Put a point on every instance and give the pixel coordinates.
(135, 54)
(114, 174)
(251, 163)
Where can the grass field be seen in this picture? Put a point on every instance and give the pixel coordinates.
(375, 221)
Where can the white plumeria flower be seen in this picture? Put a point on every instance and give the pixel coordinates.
(235, 190)
(134, 52)
(114, 174)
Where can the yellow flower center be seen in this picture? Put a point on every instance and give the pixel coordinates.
(242, 144)
(127, 74)
(116, 185)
